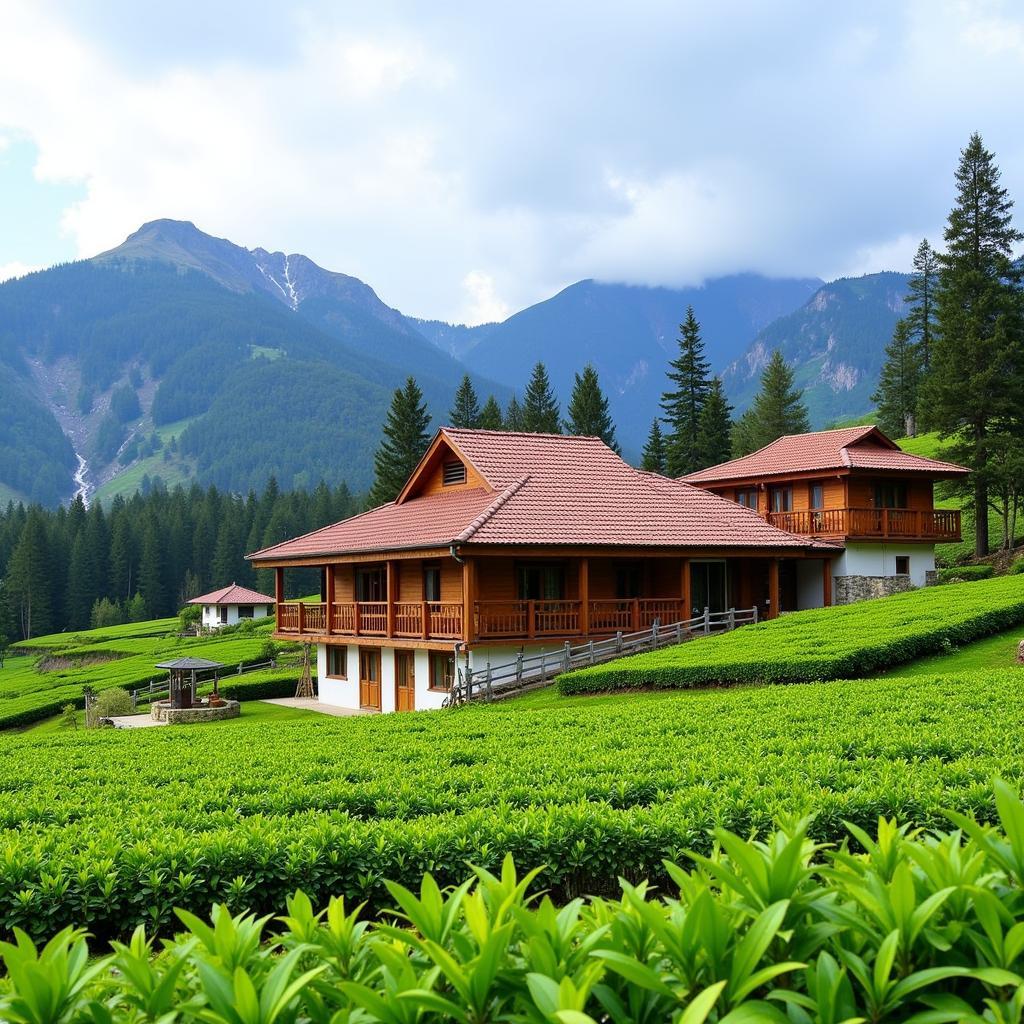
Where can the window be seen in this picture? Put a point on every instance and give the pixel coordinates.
(541, 582)
(246, 611)
(371, 585)
(816, 495)
(708, 586)
(890, 495)
(747, 497)
(337, 662)
(629, 580)
(781, 499)
(223, 613)
(453, 473)
(431, 583)
(442, 670)
(903, 565)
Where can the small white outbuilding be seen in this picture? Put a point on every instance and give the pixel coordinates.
(229, 605)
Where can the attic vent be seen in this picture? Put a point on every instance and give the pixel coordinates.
(454, 473)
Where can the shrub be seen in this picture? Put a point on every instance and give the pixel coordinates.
(828, 643)
(105, 613)
(260, 685)
(112, 703)
(965, 573)
(69, 716)
(1016, 568)
(923, 928)
(189, 617)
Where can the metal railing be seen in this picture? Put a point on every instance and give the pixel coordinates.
(495, 681)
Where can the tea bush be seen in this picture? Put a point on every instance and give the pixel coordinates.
(828, 643)
(110, 829)
(894, 926)
(965, 573)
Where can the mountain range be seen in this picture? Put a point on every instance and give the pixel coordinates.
(185, 357)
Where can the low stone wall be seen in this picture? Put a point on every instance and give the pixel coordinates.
(848, 589)
(162, 711)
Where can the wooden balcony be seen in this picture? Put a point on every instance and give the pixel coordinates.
(420, 620)
(492, 620)
(868, 523)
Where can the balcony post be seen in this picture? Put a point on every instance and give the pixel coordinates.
(585, 596)
(355, 618)
(885, 522)
(392, 578)
(302, 617)
(531, 620)
(468, 599)
(329, 595)
(826, 582)
(278, 584)
(773, 588)
(636, 614)
(425, 612)
(686, 589)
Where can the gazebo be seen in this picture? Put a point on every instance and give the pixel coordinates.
(182, 679)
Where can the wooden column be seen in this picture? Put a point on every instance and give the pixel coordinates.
(468, 599)
(686, 588)
(585, 596)
(773, 588)
(826, 582)
(278, 584)
(392, 587)
(329, 598)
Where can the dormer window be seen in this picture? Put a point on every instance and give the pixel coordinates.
(453, 473)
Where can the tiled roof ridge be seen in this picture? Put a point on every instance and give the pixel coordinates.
(221, 596)
(521, 433)
(484, 516)
(320, 529)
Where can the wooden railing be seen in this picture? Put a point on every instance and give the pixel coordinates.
(529, 619)
(439, 620)
(904, 523)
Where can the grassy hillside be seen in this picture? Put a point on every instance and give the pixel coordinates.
(47, 672)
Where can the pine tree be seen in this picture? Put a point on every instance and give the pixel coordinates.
(151, 574)
(588, 410)
(465, 410)
(28, 579)
(80, 598)
(541, 414)
(714, 435)
(898, 384)
(490, 415)
(921, 324)
(778, 409)
(653, 459)
(513, 418)
(406, 437)
(975, 388)
(690, 373)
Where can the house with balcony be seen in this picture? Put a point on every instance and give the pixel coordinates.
(501, 543)
(853, 487)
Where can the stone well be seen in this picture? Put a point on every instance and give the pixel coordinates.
(161, 711)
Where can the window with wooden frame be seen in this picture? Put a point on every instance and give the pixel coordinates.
(372, 584)
(453, 473)
(815, 495)
(903, 565)
(889, 494)
(629, 580)
(337, 662)
(223, 614)
(781, 499)
(541, 581)
(442, 671)
(747, 497)
(431, 583)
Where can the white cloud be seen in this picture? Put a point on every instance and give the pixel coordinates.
(15, 269)
(483, 306)
(657, 144)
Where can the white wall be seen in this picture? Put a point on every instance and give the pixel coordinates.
(211, 614)
(880, 560)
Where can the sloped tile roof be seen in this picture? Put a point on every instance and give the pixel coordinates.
(548, 489)
(233, 594)
(863, 447)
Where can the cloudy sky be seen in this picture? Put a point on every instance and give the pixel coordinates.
(469, 159)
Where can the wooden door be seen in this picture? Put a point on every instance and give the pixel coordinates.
(369, 677)
(405, 680)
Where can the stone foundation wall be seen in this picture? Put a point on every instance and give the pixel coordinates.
(161, 711)
(848, 589)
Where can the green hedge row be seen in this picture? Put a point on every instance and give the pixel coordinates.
(828, 643)
(965, 573)
(907, 928)
(280, 682)
(109, 829)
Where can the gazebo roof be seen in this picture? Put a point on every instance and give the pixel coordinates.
(189, 664)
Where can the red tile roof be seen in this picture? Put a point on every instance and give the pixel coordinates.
(233, 594)
(548, 489)
(846, 448)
